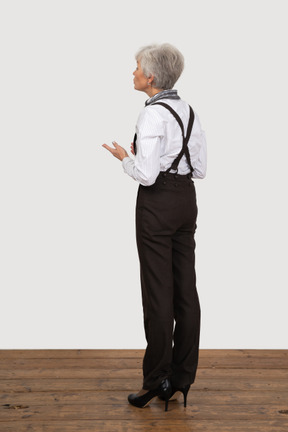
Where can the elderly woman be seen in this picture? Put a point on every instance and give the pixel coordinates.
(170, 150)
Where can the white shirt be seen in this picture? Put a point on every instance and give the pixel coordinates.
(159, 141)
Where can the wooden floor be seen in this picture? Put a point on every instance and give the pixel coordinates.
(86, 390)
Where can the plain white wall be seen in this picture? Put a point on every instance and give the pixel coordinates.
(69, 265)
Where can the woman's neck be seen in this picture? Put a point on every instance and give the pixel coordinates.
(152, 91)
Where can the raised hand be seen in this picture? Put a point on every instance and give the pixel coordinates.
(118, 152)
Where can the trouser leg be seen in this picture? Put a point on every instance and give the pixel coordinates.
(157, 298)
(186, 310)
(155, 255)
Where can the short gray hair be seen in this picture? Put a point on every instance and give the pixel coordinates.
(164, 61)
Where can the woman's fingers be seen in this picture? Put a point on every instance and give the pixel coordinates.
(119, 152)
(132, 148)
(108, 148)
(111, 148)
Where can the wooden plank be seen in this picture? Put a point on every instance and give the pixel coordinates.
(74, 385)
(82, 373)
(239, 353)
(70, 363)
(134, 353)
(71, 353)
(245, 362)
(119, 397)
(68, 373)
(154, 411)
(146, 426)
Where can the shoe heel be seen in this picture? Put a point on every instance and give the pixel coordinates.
(165, 392)
(185, 392)
(166, 404)
(185, 399)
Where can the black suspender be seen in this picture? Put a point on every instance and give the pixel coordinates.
(186, 138)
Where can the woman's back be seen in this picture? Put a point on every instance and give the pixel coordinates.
(159, 141)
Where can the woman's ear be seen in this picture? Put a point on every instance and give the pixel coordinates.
(150, 80)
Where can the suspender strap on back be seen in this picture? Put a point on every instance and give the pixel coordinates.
(186, 138)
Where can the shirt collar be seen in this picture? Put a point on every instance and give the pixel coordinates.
(165, 94)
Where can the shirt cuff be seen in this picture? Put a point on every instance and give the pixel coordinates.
(126, 162)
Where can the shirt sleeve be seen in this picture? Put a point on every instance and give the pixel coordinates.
(146, 166)
(200, 164)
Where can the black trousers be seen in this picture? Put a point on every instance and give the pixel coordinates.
(166, 214)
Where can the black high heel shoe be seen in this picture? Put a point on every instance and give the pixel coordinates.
(183, 390)
(164, 391)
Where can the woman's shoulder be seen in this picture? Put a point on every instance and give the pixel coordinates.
(180, 106)
(155, 114)
(151, 113)
(150, 121)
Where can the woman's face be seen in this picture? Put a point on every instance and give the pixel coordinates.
(140, 80)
